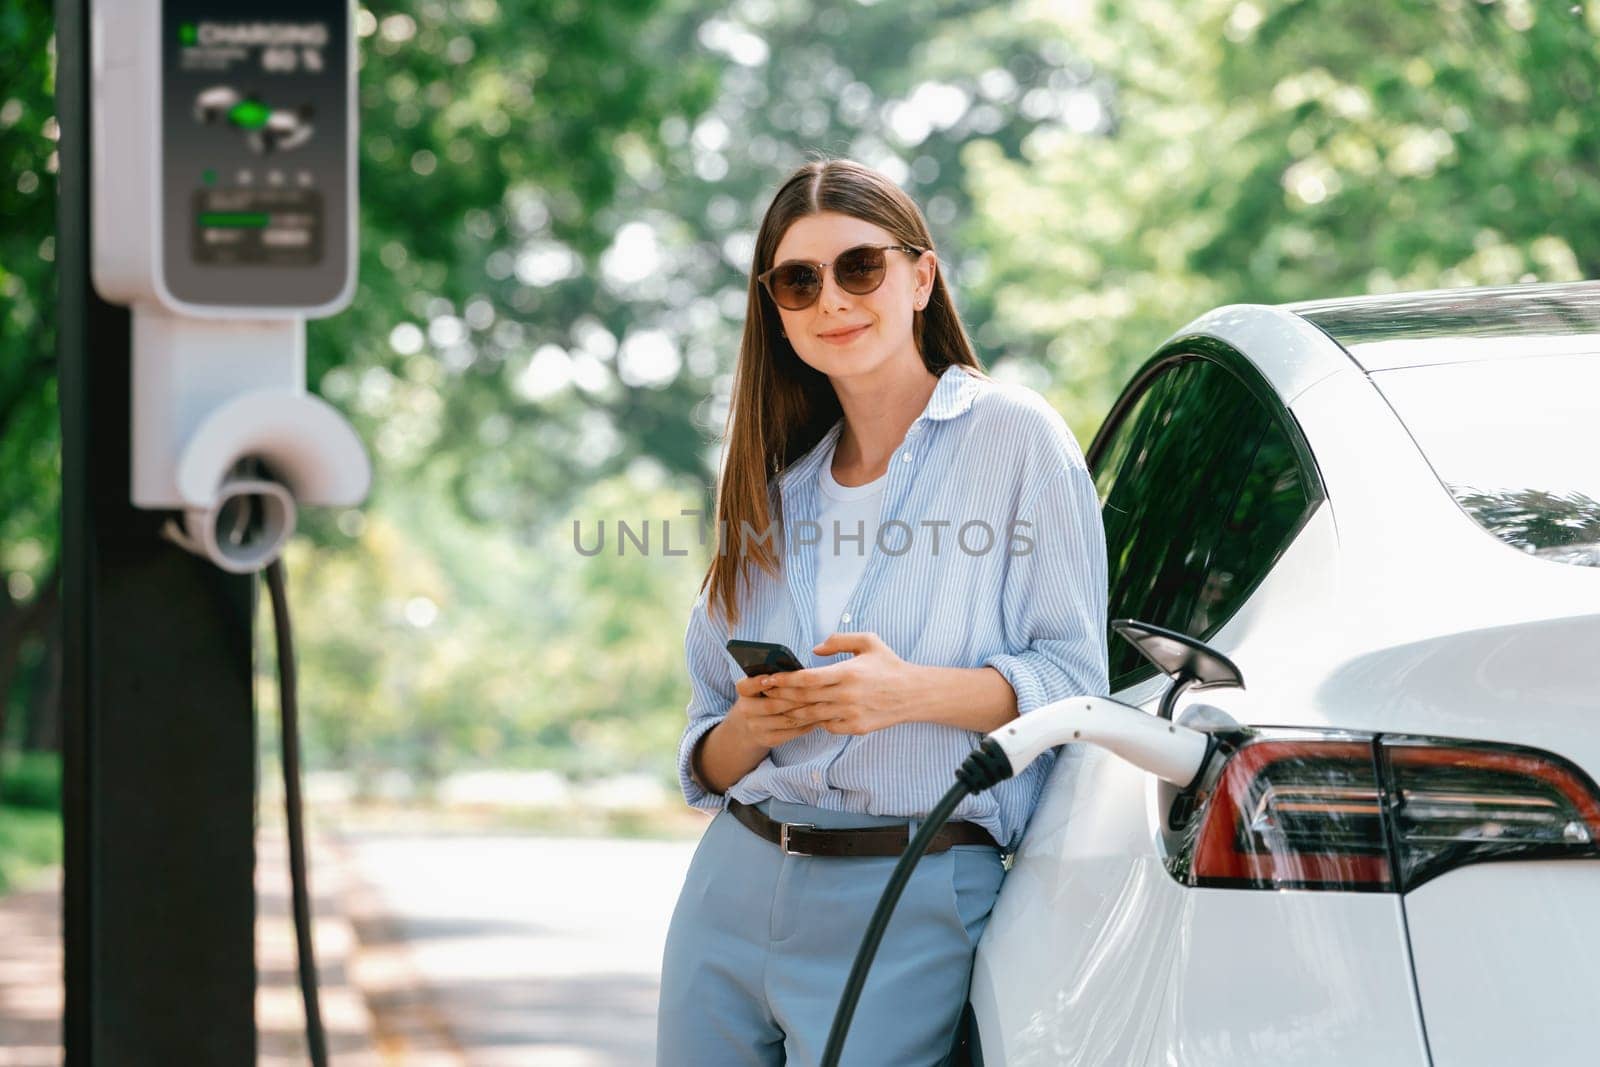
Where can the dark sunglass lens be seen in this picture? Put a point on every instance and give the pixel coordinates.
(795, 286)
(860, 270)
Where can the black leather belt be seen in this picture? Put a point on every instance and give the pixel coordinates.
(803, 839)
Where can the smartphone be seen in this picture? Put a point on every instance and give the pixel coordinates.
(763, 657)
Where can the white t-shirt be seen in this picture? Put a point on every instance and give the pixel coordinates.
(851, 510)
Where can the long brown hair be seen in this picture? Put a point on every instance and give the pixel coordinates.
(781, 406)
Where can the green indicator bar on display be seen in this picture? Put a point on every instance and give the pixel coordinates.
(249, 114)
(237, 220)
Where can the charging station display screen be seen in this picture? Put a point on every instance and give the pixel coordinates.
(256, 167)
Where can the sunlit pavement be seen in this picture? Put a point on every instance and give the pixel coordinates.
(493, 951)
(30, 968)
(30, 975)
(435, 950)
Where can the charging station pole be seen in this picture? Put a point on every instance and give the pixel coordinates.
(160, 741)
(207, 209)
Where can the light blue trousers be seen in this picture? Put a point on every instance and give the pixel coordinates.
(761, 944)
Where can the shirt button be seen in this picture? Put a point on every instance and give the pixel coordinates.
(845, 617)
(905, 457)
(816, 776)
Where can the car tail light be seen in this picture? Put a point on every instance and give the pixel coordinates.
(1300, 814)
(1455, 803)
(1384, 814)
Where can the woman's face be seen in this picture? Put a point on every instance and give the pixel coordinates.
(884, 316)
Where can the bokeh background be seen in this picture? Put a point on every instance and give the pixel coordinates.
(559, 202)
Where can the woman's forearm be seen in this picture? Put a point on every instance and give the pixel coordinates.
(721, 758)
(970, 698)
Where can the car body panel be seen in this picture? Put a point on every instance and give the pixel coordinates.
(1302, 354)
(1508, 962)
(1435, 624)
(1289, 977)
(1096, 955)
(1078, 947)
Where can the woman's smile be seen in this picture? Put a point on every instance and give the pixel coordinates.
(845, 337)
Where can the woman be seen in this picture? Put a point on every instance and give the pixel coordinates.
(928, 542)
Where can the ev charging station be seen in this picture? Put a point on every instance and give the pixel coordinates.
(207, 209)
(224, 216)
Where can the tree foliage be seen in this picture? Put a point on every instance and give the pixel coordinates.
(1266, 152)
(29, 434)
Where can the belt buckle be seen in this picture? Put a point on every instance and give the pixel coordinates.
(783, 836)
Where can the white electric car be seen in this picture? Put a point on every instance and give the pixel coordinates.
(1385, 512)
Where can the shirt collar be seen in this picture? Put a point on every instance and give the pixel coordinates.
(952, 396)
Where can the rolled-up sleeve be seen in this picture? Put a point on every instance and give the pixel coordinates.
(1054, 600)
(711, 694)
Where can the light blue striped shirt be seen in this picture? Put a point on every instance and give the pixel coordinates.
(1027, 597)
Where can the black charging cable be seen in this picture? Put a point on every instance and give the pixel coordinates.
(316, 1038)
(986, 766)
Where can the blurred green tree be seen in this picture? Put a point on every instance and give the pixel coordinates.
(484, 123)
(29, 437)
(1267, 151)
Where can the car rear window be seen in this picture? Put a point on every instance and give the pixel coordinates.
(1517, 443)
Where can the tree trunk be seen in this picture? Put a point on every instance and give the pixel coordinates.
(19, 623)
(10, 649)
(44, 702)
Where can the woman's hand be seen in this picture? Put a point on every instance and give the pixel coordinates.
(872, 689)
(765, 720)
(754, 726)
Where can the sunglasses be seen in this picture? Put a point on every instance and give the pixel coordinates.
(795, 284)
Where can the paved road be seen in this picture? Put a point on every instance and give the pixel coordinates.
(534, 949)
(30, 969)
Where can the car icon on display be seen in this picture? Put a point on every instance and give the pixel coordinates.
(211, 106)
(1382, 514)
(266, 129)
